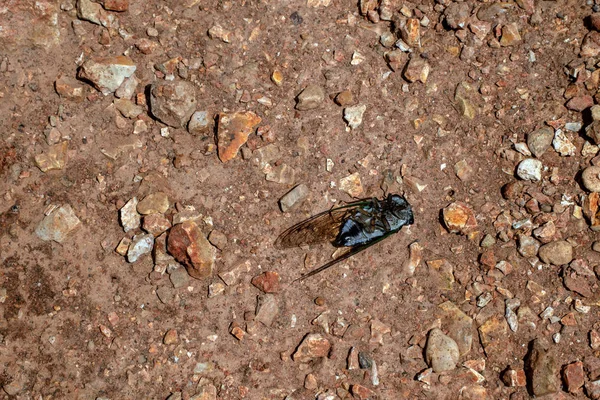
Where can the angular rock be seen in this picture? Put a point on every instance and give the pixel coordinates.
(217, 32)
(417, 69)
(313, 346)
(156, 224)
(577, 283)
(116, 5)
(107, 74)
(69, 88)
(140, 245)
(592, 389)
(441, 351)
(457, 14)
(294, 197)
(173, 102)
(58, 224)
(459, 218)
(557, 253)
(92, 12)
(179, 277)
(530, 169)
(128, 109)
(593, 130)
(411, 32)
(514, 377)
(233, 130)
(127, 88)
(189, 246)
(283, 174)
(580, 103)
(540, 140)
(354, 115)
(155, 203)
(542, 369)
(562, 144)
(217, 239)
(510, 35)
(310, 98)
(574, 376)
(267, 309)
(590, 46)
(352, 185)
(591, 178)
(199, 123)
(54, 158)
(492, 334)
(268, 282)
(130, 218)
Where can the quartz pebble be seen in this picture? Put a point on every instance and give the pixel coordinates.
(130, 218)
(140, 245)
(530, 169)
(441, 352)
(58, 224)
(354, 115)
(352, 185)
(107, 74)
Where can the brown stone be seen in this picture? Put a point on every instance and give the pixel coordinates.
(171, 337)
(542, 369)
(573, 376)
(69, 88)
(580, 103)
(361, 392)
(268, 282)
(344, 98)
(569, 320)
(459, 218)
(233, 130)
(313, 346)
(488, 259)
(156, 224)
(514, 377)
(510, 35)
(590, 46)
(116, 5)
(190, 247)
(238, 333)
(173, 102)
(54, 158)
(155, 203)
(492, 334)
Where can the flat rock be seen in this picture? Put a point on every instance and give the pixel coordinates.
(441, 351)
(268, 282)
(557, 253)
(354, 115)
(510, 35)
(540, 140)
(130, 218)
(459, 326)
(128, 108)
(107, 74)
(310, 98)
(156, 224)
(313, 346)
(140, 245)
(294, 197)
(527, 246)
(352, 185)
(417, 69)
(69, 88)
(155, 203)
(55, 158)
(590, 46)
(58, 224)
(189, 246)
(233, 130)
(459, 218)
(492, 334)
(127, 88)
(173, 102)
(267, 309)
(179, 277)
(530, 169)
(574, 376)
(542, 369)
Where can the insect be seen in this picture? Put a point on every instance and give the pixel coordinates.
(357, 225)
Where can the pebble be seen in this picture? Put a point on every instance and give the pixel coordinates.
(189, 246)
(156, 224)
(217, 239)
(357, 58)
(574, 126)
(173, 102)
(544, 369)
(510, 35)
(283, 174)
(294, 197)
(267, 309)
(127, 88)
(92, 12)
(417, 69)
(179, 278)
(540, 140)
(557, 253)
(459, 326)
(199, 123)
(463, 170)
(171, 337)
(130, 218)
(217, 32)
(233, 130)
(593, 131)
(69, 88)
(589, 150)
(514, 377)
(154, 203)
(53, 159)
(459, 218)
(352, 185)
(580, 103)
(128, 109)
(58, 224)
(107, 74)
(590, 46)
(510, 315)
(530, 169)
(592, 389)
(140, 245)
(457, 15)
(577, 283)
(441, 351)
(361, 392)
(396, 59)
(313, 346)
(123, 246)
(562, 144)
(574, 376)
(344, 98)
(354, 115)
(215, 289)
(492, 335)
(410, 31)
(591, 178)
(310, 98)
(268, 282)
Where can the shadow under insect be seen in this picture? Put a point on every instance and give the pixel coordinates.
(356, 225)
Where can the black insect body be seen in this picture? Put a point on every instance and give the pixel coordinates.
(357, 225)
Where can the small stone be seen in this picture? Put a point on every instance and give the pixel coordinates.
(411, 32)
(171, 337)
(396, 59)
(580, 103)
(510, 35)
(457, 14)
(527, 246)
(130, 218)
(543, 370)
(510, 315)
(283, 174)
(574, 376)
(215, 289)
(107, 74)
(267, 309)
(589, 150)
(530, 169)
(463, 170)
(268, 282)
(540, 140)
(357, 58)
(361, 392)
(54, 158)
(594, 339)
(352, 185)
(574, 126)
(417, 69)
(58, 224)
(378, 329)
(140, 245)
(492, 334)
(127, 88)
(459, 218)
(166, 295)
(123, 246)
(189, 246)
(154, 203)
(593, 131)
(557, 253)
(590, 46)
(156, 224)
(514, 377)
(459, 326)
(344, 98)
(173, 102)
(90, 11)
(310, 98)
(69, 88)
(233, 130)
(127, 108)
(217, 239)
(591, 178)
(179, 278)
(354, 115)
(562, 144)
(592, 389)
(310, 382)
(217, 32)
(577, 283)
(139, 126)
(441, 352)
(313, 346)
(294, 197)
(199, 124)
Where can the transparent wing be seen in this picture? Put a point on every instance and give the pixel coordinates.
(319, 228)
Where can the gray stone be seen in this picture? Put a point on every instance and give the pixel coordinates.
(199, 123)
(591, 178)
(267, 309)
(527, 246)
(179, 277)
(310, 98)
(130, 218)
(173, 102)
(354, 115)
(58, 224)
(293, 197)
(542, 369)
(127, 88)
(107, 74)
(459, 326)
(140, 245)
(530, 169)
(557, 253)
(539, 141)
(441, 352)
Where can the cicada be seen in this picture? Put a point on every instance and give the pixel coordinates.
(357, 226)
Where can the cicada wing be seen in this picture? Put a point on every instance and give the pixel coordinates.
(319, 228)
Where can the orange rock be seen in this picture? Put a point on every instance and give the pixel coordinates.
(268, 282)
(189, 246)
(459, 218)
(233, 131)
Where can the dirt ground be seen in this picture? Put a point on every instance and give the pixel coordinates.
(496, 297)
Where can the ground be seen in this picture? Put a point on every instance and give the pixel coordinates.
(447, 308)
